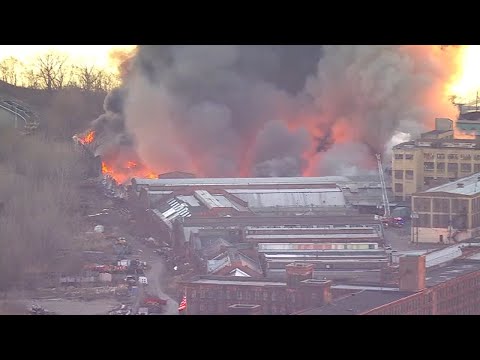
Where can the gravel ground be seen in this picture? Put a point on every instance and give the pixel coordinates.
(75, 307)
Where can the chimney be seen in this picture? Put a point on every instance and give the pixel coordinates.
(412, 272)
(297, 272)
(244, 309)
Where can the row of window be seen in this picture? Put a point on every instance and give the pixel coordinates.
(401, 157)
(243, 294)
(465, 157)
(451, 167)
(408, 174)
(430, 156)
(458, 206)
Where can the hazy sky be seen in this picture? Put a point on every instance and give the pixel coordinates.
(97, 55)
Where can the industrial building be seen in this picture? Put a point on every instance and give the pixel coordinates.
(447, 213)
(449, 289)
(171, 198)
(216, 295)
(445, 282)
(435, 158)
(339, 247)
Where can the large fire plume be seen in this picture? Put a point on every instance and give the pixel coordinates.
(123, 173)
(276, 110)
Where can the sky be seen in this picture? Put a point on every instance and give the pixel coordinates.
(97, 55)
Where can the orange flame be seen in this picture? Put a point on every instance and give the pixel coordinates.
(123, 173)
(466, 81)
(88, 138)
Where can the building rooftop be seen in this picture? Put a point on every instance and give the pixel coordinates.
(240, 181)
(236, 281)
(469, 185)
(287, 221)
(451, 271)
(357, 303)
(439, 143)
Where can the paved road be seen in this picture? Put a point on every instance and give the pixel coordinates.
(155, 275)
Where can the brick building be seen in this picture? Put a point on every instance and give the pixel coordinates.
(452, 289)
(209, 295)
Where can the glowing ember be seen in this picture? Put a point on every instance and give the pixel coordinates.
(88, 139)
(124, 173)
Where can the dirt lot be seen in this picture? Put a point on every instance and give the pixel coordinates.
(74, 307)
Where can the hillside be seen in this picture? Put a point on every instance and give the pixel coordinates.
(63, 112)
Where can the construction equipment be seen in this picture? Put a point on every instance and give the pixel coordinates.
(387, 218)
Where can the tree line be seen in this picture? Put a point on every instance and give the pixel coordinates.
(39, 203)
(55, 71)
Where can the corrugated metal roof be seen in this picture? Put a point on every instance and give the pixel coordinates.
(471, 186)
(226, 202)
(292, 199)
(207, 199)
(310, 236)
(275, 191)
(241, 181)
(189, 199)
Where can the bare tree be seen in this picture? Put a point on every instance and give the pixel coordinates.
(51, 70)
(88, 77)
(10, 70)
(38, 188)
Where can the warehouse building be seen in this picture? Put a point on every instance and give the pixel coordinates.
(265, 196)
(435, 158)
(451, 289)
(438, 283)
(447, 213)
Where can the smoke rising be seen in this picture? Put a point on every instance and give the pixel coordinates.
(273, 110)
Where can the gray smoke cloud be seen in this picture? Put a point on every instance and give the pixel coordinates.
(272, 110)
(279, 151)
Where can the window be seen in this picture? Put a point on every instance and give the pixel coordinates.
(424, 220)
(428, 156)
(440, 221)
(202, 294)
(452, 156)
(408, 156)
(421, 204)
(441, 205)
(398, 188)
(398, 156)
(467, 157)
(476, 168)
(459, 206)
(239, 294)
(265, 295)
(399, 174)
(441, 156)
(441, 167)
(202, 308)
(194, 294)
(428, 166)
(452, 167)
(409, 174)
(427, 180)
(477, 157)
(466, 167)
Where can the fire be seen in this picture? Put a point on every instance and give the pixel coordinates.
(466, 82)
(88, 138)
(123, 173)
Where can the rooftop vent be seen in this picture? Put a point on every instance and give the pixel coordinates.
(460, 185)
